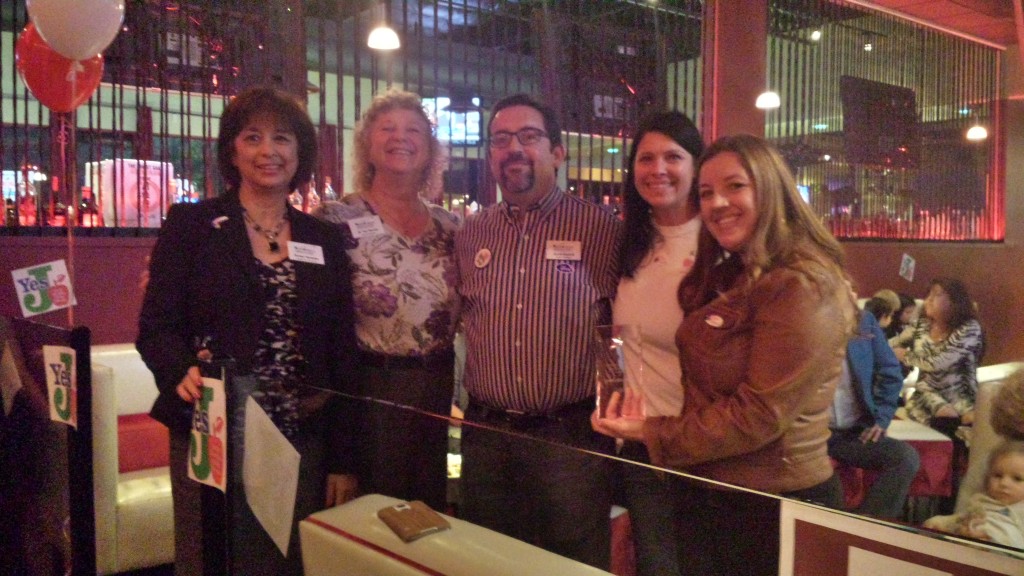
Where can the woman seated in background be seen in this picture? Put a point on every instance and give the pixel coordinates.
(768, 312)
(946, 345)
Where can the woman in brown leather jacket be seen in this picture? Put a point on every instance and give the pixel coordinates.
(768, 311)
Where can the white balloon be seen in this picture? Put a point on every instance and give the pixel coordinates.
(77, 29)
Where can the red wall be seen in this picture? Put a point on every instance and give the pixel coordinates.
(105, 280)
(992, 272)
(106, 283)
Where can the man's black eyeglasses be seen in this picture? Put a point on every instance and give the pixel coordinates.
(526, 137)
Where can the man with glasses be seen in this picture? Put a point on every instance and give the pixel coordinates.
(531, 269)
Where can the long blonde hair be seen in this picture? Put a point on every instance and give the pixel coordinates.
(788, 232)
(364, 171)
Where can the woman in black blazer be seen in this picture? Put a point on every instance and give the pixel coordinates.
(247, 277)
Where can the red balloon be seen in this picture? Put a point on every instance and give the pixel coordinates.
(60, 83)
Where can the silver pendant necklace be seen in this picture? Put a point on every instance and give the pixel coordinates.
(269, 233)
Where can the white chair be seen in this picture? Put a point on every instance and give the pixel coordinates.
(134, 513)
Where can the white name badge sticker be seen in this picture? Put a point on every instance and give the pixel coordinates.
(564, 250)
(302, 252)
(366, 226)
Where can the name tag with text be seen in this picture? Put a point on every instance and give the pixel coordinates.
(309, 253)
(366, 226)
(564, 250)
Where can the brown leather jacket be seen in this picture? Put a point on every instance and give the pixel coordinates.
(760, 366)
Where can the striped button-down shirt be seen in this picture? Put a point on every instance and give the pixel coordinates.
(528, 288)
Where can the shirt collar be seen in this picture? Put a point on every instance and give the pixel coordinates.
(541, 207)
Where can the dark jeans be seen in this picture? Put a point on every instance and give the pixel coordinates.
(543, 493)
(895, 461)
(647, 494)
(732, 533)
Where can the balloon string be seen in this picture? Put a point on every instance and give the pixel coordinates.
(72, 75)
(65, 126)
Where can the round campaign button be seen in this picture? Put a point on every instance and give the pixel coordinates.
(483, 258)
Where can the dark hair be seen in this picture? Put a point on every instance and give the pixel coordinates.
(879, 307)
(550, 120)
(906, 301)
(639, 232)
(788, 232)
(283, 107)
(961, 305)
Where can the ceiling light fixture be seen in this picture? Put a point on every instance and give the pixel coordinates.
(383, 37)
(977, 133)
(768, 100)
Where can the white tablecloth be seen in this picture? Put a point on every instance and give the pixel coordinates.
(350, 540)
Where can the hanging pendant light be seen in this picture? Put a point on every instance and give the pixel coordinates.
(768, 100)
(977, 132)
(383, 37)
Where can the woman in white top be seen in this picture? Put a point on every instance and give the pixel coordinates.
(658, 247)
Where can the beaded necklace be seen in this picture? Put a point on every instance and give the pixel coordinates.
(269, 234)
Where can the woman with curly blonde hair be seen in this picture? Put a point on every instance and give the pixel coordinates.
(429, 184)
(406, 306)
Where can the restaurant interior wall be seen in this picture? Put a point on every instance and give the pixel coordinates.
(508, 39)
(109, 266)
(990, 270)
(169, 72)
(915, 176)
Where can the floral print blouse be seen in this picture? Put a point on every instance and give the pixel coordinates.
(949, 368)
(405, 297)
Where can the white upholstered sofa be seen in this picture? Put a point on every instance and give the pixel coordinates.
(134, 519)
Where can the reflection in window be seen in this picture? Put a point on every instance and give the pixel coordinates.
(878, 137)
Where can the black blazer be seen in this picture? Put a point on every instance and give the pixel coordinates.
(204, 291)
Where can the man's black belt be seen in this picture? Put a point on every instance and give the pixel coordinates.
(478, 412)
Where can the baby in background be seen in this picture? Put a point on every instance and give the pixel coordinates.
(997, 513)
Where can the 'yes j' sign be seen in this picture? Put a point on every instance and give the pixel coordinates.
(207, 454)
(61, 384)
(43, 288)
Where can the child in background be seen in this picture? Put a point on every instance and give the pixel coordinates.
(882, 310)
(997, 514)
